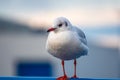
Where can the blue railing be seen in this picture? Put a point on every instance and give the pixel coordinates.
(49, 78)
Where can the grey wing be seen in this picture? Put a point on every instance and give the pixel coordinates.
(81, 34)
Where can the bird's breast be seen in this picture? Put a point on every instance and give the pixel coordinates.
(65, 45)
(61, 41)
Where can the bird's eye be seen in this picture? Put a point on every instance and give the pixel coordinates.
(60, 25)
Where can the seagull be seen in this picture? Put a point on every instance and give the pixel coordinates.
(66, 42)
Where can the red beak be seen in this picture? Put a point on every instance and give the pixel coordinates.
(51, 29)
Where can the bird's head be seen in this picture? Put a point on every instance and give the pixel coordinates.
(60, 24)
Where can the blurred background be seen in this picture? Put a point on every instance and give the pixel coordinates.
(23, 25)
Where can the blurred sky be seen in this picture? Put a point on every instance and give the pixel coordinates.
(88, 13)
(37, 12)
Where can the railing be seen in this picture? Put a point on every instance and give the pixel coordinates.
(49, 78)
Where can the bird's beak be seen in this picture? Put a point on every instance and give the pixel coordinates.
(51, 29)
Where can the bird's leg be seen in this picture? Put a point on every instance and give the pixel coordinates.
(75, 63)
(64, 77)
(63, 68)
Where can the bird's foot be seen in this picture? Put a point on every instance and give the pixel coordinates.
(63, 78)
(74, 76)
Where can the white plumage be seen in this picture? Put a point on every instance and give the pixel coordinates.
(66, 41)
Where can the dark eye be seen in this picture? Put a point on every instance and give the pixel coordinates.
(60, 25)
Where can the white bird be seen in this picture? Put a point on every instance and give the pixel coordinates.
(66, 42)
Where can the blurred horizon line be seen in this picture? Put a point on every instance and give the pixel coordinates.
(44, 24)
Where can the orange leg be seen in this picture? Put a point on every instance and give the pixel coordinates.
(63, 68)
(64, 77)
(75, 63)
